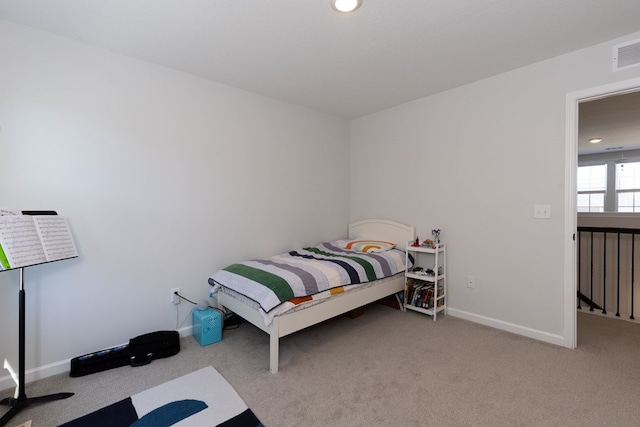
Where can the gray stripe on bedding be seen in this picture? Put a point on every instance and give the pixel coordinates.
(294, 281)
(309, 282)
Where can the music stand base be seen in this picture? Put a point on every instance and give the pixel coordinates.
(18, 405)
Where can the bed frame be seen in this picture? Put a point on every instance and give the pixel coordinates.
(290, 322)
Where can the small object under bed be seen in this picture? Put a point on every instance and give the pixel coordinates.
(293, 291)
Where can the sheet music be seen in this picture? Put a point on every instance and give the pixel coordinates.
(56, 237)
(20, 242)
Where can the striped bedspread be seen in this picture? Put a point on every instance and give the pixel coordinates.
(306, 272)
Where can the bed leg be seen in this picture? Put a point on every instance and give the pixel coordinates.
(355, 313)
(274, 343)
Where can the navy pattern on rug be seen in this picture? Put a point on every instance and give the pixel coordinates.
(201, 398)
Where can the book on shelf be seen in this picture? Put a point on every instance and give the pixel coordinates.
(420, 293)
(417, 299)
(34, 239)
(440, 294)
(412, 287)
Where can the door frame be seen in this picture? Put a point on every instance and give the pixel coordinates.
(570, 206)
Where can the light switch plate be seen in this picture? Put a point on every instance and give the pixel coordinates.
(542, 211)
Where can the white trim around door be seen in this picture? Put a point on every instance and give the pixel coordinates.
(570, 219)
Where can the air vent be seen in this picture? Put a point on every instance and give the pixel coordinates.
(614, 148)
(626, 55)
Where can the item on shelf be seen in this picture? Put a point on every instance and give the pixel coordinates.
(436, 235)
(428, 243)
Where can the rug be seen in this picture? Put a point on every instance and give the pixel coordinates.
(201, 398)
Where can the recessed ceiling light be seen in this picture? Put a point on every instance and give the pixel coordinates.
(595, 140)
(345, 6)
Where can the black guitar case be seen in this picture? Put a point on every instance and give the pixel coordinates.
(141, 350)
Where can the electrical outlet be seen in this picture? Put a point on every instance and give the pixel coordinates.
(471, 282)
(175, 299)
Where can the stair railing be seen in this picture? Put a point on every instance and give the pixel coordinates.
(594, 241)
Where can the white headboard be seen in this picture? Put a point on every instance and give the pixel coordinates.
(383, 229)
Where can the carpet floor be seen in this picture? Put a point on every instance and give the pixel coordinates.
(388, 368)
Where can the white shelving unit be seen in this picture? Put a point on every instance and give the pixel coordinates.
(417, 293)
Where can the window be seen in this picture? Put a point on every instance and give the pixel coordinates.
(628, 187)
(592, 188)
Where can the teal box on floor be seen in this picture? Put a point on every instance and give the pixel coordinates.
(207, 325)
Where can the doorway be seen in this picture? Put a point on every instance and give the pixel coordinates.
(570, 220)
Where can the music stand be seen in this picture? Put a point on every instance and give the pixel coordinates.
(21, 402)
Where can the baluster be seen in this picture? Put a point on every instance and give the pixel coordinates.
(604, 275)
(618, 284)
(579, 269)
(633, 269)
(591, 290)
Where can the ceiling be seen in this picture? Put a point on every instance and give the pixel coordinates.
(348, 65)
(615, 119)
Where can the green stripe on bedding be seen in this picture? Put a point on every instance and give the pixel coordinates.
(368, 268)
(278, 285)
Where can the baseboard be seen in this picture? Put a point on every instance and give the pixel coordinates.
(63, 366)
(34, 374)
(509, 327)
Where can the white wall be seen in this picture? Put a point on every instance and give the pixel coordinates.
(165, 177)
(474, 161)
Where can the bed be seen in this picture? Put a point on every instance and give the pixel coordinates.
(315, 311)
